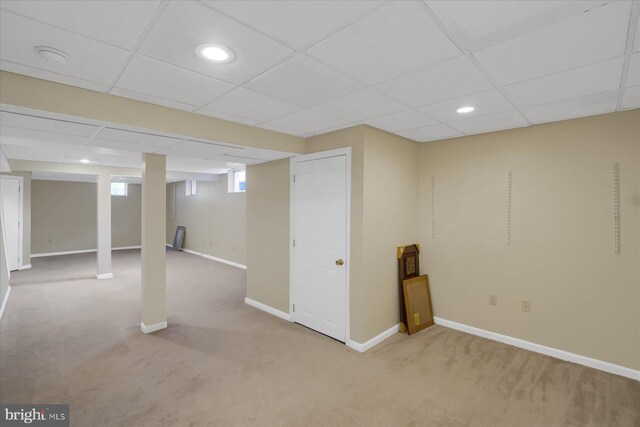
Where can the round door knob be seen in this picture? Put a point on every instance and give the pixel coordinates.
(339, 262)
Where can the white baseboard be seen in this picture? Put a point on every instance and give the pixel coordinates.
(373, 341)
(104, 276)
(270, 310)
(538, 348)
(213, 258)
(152, 328)
(83, 251)
(25, 267)
(4, 303)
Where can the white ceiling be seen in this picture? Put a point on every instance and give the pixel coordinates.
(305, 68)
(35, 135)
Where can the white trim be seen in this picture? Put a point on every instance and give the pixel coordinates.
(538, 348)
(82, 251)
(346, 151)
(20, 180)
(25, 267)
(104, 276)
(126, 248)
(213, 258)
(373, 341)
(266, 308)
(4, 303)
(152, 328)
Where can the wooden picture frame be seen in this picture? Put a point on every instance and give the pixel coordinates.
(181, 230)
(408, 267)
(417, 303)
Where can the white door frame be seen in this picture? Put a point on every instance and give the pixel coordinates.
(314, 156)
(20, 214)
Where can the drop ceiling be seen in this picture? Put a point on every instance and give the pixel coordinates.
(306, 68)
(39, 136)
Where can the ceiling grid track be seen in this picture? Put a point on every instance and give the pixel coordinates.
(471, 58)
(162, 6)
(295, 52)
(628, 51)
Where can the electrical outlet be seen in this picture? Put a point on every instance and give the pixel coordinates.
(526, 306)
(493, 300)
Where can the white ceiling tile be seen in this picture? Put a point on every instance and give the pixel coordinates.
(295, 23)
(124, 146)
(487, 102)
(103, 156)
(151, 99)
(402, 120)
(633, 77)
(450, 79)
(43, 136)
(303, 81)
(207, 149)
(185, 25)
(489, 123)
(38, 154)
(477, 24)
(589, 105)
(155, 78)
(595, 78)
(61, 176)
(277, 128)
(249, 104)
(636, 45)
(88, 59)
(29, 122)
(396, 39)
(430, 133)
(631, 98)
(136, 137)
(115, 22)
(229, 117)
(308, 121)
(52, 76)
(567, 44)
(361, 105)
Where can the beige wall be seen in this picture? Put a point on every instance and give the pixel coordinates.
(215, 219)
(126, 214)
(585, 298)
(384, 214)
(268, 233)
(26, 209)
(64, 217)
(390, 220)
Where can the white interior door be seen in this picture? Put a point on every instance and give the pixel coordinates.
(320, 233)
(10, 193)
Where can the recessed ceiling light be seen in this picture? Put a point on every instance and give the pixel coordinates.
(467, 109)
(215, 53)
(52, 55)
(85, 161)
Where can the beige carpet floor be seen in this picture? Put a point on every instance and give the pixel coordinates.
(68, 338)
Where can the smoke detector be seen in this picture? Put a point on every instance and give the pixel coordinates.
(52, 55)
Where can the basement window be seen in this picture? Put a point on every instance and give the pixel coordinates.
(118, 188)
(190, 187)
(237, 182)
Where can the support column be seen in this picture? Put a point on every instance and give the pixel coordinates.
(154, 228)
(104, 226)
